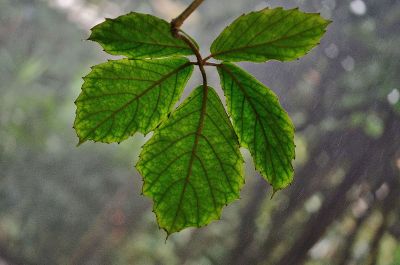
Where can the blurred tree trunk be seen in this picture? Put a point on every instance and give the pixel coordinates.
(335, 204)
(345, 255)
(11, 258)
(239, 254)
(387, 206)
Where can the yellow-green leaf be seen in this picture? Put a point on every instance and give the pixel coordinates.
(269, 34)
(262, 125)
(122, 97)
(137, 35)
(192, 166)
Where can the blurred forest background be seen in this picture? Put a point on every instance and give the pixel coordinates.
(60, 204)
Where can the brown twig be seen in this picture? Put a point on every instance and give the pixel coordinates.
(177, 22)
(207, 58)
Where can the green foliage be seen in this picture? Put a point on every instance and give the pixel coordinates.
(192, 166)
(262, 125)
(269, 34)
(120, 98)
(138, 35)
(396, 259)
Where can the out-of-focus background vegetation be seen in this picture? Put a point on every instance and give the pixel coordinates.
(60, 204)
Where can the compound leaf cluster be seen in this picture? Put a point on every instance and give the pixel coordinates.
(192, 165)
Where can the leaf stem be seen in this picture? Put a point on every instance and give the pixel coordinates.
(178, 21)
(199, 62)
(207, 58)
(206, 64)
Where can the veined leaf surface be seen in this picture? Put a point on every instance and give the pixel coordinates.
(138, 35)
(262, 125)
(122, 97)
(269, 34)
(192, 166)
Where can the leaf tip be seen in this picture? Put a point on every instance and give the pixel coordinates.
(274, 191)
(81, 140)
(328, 22)
(91, 38)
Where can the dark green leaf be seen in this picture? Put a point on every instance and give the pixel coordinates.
(269, 34)
(192, 166)
(138, 35)
(122, 97)
(262, 125)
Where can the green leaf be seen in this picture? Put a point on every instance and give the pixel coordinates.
(138, 35)
(262, 125)
(122, 97)
(269, 34)
(192, 165)
(397, 106)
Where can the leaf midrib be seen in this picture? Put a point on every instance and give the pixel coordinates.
(193, 153)
(145, 43)
(261, 44)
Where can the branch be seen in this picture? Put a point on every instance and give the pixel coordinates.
(247, 229)
(177, 22)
